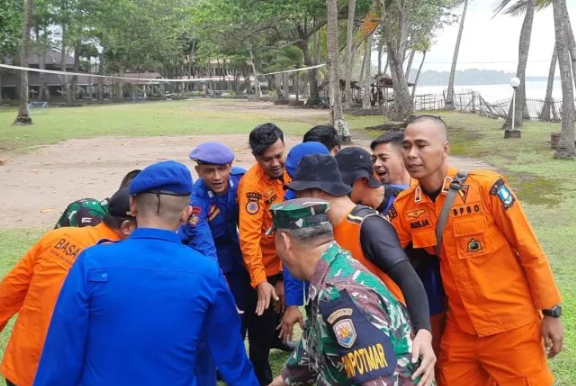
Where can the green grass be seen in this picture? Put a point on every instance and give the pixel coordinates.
(545, 186)
(142, 119)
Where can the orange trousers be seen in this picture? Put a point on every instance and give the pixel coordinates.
(512, 358)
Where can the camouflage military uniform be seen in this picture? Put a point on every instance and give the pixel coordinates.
(357, 333)
(81, 213)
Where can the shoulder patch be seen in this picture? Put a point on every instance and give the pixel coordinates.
(365, 351)
(392, 213)
(195, 216)
(501, 190)
(252, 207)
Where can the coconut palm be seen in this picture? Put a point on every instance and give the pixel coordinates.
(450, 94)
(561, 25)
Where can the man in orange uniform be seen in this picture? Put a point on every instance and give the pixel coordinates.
(32, 286)
(262, 186)
(496, 276)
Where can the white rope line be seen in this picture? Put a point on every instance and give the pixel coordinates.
(216, 78)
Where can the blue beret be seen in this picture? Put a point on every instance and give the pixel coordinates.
(213, 153)
(299, 151)
(166, 177)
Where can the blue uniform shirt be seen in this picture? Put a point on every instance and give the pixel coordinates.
(213, 224)
(134, 312)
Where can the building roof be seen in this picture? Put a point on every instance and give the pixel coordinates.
(52, 59)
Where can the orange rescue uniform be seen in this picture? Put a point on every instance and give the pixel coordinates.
(496, 278)
(256, 193)
(347, 234)
(31, 289)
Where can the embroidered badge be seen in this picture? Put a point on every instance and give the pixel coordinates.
(252, 207)
(474, 245)
(195, 216)
(504, 194)
(463, 192)
(392, 214)
(253, 196)
(416, 213)
(345, 333)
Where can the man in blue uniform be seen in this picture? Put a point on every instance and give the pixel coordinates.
(134, 312)
(215, 210)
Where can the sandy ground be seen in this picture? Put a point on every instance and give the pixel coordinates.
(36, 187)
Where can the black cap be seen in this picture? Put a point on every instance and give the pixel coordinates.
(119, 204)
(355, 163)
(319, 171)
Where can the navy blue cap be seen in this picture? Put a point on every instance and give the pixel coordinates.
(166, 177)
(299, 151)
(213, 153)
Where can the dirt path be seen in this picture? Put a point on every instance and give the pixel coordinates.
(36, 187)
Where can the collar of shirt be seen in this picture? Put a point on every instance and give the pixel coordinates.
(419, 195)
(322, 268)
(155, 233)
(284, 180)
(106, 232)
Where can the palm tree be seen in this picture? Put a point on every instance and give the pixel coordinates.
(23, 117)
(548, 101)
(349, 57)
(514, 8)
(566, 146)
(420, 46)
(450, 94)
(336, 95)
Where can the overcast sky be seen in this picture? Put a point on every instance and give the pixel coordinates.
(492, 42)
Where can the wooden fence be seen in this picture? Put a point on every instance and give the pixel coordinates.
(473, 102)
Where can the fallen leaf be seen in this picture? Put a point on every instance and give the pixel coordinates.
(47, 210)
(3, 162)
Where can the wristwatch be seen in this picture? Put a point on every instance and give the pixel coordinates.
(554, 312)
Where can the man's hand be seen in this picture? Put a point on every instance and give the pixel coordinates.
(422, 348)
(286, 326)
(278, 381)
(265, 293)
(553, 334)
(281, 303)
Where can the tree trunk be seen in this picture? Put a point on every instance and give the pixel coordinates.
(523, 50)
(0, 84)
(74, 90)
(380, 53)
(100, 92)
(256, 81)
(23, 117)
(44, 91)
(286, 86)
(314, 97)
(65, 90)
(450, 97)
(368, 53)
(120, 85)
(566, 146)
(409, 67)
(571, 44)
(548, 101)
(332, 35)
(276, 84)
(349, 58)
(41, 53)
(418, 75)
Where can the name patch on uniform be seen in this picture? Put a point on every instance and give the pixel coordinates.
(470, 209)
(420, 224)
(365, 351)
(504, 194)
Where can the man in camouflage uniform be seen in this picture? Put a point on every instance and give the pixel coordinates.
(89, 211)
(357, 333)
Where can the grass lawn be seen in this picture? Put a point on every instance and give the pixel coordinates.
(545, 186)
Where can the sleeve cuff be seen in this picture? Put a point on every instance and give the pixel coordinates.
(258, 277)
